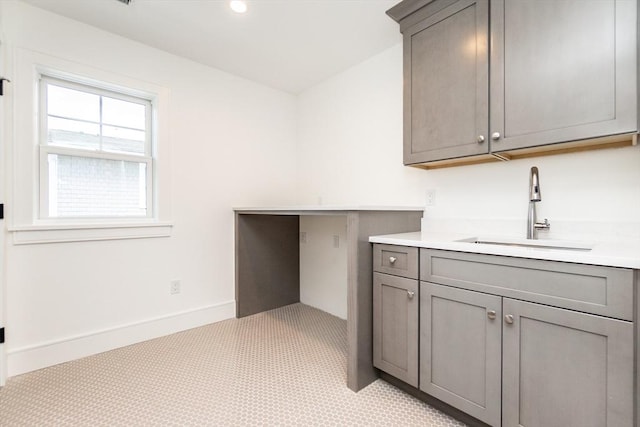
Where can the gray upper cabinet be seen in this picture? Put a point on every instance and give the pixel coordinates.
(542, 73)
(562, 70)
(446, 84)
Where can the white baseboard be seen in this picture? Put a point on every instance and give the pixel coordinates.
(42, 355)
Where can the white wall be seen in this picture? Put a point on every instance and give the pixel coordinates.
(350, 138)
(232, 144)
(323, 266)
(350, 151)
(586, 196)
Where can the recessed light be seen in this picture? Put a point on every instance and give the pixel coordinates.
(238, 6)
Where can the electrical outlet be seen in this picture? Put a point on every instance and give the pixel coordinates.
(303, 237)
(431, 197)
(336, 241)
(174, 287)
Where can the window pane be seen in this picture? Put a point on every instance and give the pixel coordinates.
(72, 133)
(89, 187)
(123, 140)
(123, 113)
(72, 104)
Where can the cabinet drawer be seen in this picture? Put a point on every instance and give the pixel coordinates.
(396, 260)
(606, 291)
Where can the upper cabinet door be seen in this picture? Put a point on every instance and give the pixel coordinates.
(562, 70)
(446, 83)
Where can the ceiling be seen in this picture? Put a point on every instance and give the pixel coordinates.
(289, 45)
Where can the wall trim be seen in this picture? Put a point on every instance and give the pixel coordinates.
(30, 358)
(38, 234)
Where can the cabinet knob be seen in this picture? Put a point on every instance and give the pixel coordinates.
(480, 139)
(411, 294)
(392, 259)
(495, 136)
(509, 318)
(491, 314)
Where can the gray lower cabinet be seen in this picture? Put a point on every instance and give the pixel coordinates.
(564, 368)
(460, 349)
(515, 363)
(511, 341)
(395, 326)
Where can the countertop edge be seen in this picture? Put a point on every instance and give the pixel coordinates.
(328, 208)
(602, 254)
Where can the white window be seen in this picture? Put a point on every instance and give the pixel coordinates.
(90, 154)
(96, 154)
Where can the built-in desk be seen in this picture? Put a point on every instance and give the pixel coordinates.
(268, 267)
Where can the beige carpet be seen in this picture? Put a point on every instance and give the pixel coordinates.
(285, 367)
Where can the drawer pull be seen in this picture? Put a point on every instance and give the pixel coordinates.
(491, 314)
(392, 259)
(509, 318)
(411, 294)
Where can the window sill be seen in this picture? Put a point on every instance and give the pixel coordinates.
(60, 233)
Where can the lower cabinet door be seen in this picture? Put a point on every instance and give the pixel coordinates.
(564, 368)
(460, 349)
(395, 326)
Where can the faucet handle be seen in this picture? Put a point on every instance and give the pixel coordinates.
(542, 225)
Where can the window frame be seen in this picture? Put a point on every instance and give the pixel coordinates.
(22, 131)
(148, 157)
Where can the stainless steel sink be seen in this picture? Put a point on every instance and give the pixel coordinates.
(565, 245)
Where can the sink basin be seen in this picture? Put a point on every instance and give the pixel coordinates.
(565, 245)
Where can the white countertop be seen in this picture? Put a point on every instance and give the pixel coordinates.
(626, 255)
(327, 208)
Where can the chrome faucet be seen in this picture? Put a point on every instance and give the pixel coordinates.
(534, 196)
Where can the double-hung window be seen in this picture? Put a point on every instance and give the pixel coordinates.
(96, 154)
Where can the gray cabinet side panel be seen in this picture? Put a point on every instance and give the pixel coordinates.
(267, 262)
(361, 225)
